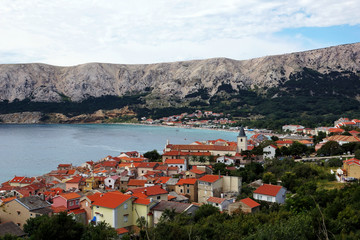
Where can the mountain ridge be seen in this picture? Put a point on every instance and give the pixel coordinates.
(170, 81)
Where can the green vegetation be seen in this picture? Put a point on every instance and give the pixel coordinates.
(64, 227)
(153, 156)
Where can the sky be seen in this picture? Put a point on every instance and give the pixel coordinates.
(65, 32)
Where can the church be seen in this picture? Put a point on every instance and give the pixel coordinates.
(217, 147)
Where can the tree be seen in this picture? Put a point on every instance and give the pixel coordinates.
(153, 155)
(297, 149)
(289, 181)
(357, 154)
(168, 215)
(54, 228)
(274, 138)
(220, 167)
(330, 148)
(204, 211)
(269, 177)
(100, 231)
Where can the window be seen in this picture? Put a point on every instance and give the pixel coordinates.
(125, 206)
(269, 199)
(188, 185)
(125, 218)
(18, 212)
(71, 203)
(188, 191)
(181, 190)
(142, 171)
(158, 197)
(260, 197)
(77, 202)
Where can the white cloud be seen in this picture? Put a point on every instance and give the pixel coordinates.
(67, 32)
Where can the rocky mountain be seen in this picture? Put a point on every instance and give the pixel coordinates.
(169, 81)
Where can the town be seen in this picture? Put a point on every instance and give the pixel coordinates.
(134, 188)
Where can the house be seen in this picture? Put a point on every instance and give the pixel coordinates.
(221, 203)
(180, 163)
(12, 229)
(292, 128)
(249, 206)
(209, 186)
(114, 208)
(188, 187)
(270, 193)
(21, 209)
(142, 209)
(195, 172)
(64, 167)
(21, 181)
(68, 200)
(342, 139)
(351, 168)
(225, 160)
(178, 207)
(76, 182)
(153, 192)
(146, 166)
(112, 182)
(269, 151)
(246, 205)
(134, 183)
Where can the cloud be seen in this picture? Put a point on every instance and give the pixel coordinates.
(72, 32)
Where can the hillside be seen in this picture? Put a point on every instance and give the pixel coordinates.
(237, 87)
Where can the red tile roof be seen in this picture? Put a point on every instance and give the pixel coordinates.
(352, 161)
(175, 161)
(76, 179)
(111, 199)
(249, 202)
(142, 201)
(196, 170)
(94, 196)
(173, 168)
(209, 178)
(336, 130)
(69, 196)
(191, 181)
(216, 200)
(171, 197)
(162, 180)
(150, 191)
(268, 189)
(136, 182)
(17, 179)
(6, 200)
(122, 230)
(203, 147)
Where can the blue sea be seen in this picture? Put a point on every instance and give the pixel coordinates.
(33, 150)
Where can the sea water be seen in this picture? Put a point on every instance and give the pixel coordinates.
(33, 150)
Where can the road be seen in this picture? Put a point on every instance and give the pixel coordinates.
(314, 159)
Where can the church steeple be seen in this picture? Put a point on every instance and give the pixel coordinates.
(241, 141)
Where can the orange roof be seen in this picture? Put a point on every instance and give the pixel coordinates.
(175, 161)
(251, 203)
(210, 178)
(150, 191)
(142, 201)
(59, 209)
(171, 197)
(268, 189)
(71, 171)
(136, 182)
(163, 180)
(342, 138)
(196, 171)
(172, 168)
(191, 181)
(5, 200)
(69, 196)
(111, 200)
(17, 179)
(76, 179)
(94, 196)
(284, 142)
(305, 142)
(352, 161)
(139, 195)
(216, 200)
(122, 230)
(336, 130)
(179, 153)
(77, 211)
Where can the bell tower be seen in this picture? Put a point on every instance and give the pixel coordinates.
(241, 141)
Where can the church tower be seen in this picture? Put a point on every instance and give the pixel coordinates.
(241, 141)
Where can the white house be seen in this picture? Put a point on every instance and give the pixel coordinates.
(292, 128)
(226, 160)
(110, 181)
(180, 163)
(221, 203)
(269, 151)
(270, 193)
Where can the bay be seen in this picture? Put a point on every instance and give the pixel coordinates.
(33, 150)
